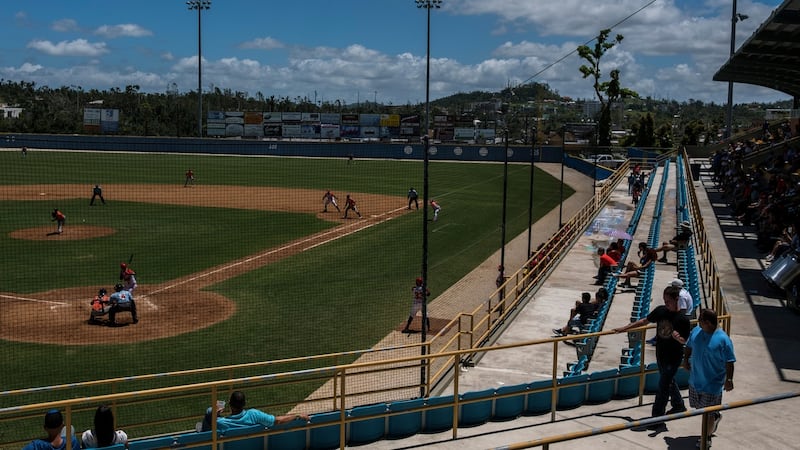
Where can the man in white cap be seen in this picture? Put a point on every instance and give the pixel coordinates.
(685, 304)
(685, 301)
(679, 242)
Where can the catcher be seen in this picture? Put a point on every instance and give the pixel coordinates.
(99, 309)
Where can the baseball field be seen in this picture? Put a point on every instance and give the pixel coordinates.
(241, 266)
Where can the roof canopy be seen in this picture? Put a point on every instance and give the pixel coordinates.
(771, 56)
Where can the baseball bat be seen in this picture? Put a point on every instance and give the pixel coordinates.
(130, 259)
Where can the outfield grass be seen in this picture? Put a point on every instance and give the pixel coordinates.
(340, 296)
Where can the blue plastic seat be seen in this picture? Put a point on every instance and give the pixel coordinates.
(111, 447)
(572, 392)
(404, 425)
(603, 385)
(477, 412)
(539, 402)
(438, 419)
(511, 407)
(289, 440)
(152, 443)
(252, 443)
(325, 437)
(190, 438)
(628, 387)
(367, 430)
(651, 379)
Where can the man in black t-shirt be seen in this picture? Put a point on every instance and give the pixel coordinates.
(579, 315)
(671, 334)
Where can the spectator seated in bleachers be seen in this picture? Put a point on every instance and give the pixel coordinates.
(679, 242)
(606, 264)
(647, 256)
(241, 417)
(578, 316)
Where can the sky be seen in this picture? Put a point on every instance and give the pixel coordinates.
(375, 50)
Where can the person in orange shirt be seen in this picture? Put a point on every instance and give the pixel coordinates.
(99, 303)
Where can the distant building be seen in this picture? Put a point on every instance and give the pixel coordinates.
(10, 112)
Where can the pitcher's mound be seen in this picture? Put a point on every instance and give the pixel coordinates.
(71, 233)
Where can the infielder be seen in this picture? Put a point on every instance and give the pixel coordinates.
(416, 305)
(329, 199)
(412, 197)
(436, 209)
(349, 204)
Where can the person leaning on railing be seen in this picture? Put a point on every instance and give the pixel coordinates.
(241, 417)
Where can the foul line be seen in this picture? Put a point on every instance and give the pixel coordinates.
(356, 227)
(35, 300)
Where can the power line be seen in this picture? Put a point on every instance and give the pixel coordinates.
(585, 43)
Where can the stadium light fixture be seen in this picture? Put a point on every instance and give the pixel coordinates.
(735, 17)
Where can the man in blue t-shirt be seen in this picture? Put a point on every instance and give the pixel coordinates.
(55, 440)
(709, 357)
(241, 417)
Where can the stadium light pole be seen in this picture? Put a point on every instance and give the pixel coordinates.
(561, 194)
(199, 5)
(530, 192)
(428, 5)
(735, 17)
(505, 202)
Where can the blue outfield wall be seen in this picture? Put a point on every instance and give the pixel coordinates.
(449, 152)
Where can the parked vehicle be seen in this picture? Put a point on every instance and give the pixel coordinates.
(606, 160)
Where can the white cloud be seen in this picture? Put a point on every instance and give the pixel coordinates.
(65, 25)
(267, 43)
(122, 30)
(78, 47)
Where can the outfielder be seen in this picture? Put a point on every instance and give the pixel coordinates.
(329, 199)
(416, 305)
(349, 204)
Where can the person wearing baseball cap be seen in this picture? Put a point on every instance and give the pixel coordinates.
(420, 293)
(56, 439)
(679, 242)
(685, 301)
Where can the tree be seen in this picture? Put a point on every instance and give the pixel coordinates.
(608, 92)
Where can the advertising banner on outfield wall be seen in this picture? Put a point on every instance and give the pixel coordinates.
(109, 121)
(291, 117)
(91, 120)
(272, 117)
(291, 130)
(350, 119)
(310, 117)
(330, 118)
(329, 131)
